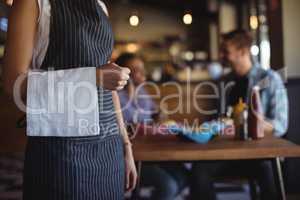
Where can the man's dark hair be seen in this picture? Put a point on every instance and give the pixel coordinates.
(240, 38)
(125, 57)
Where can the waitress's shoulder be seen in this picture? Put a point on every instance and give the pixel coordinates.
(103, 6)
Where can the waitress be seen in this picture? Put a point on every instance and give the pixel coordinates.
(71, 34)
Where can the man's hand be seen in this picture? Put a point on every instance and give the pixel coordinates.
(112, 77)
(268, 128)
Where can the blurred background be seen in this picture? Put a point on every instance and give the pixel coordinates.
(174, 36)
(179, 40)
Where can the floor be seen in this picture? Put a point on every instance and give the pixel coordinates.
(240, 195)
(11, 166)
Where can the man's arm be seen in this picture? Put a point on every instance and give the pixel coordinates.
(277, 121)
(268, 127)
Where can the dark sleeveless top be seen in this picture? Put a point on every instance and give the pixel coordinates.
(81, 36)
(90, 43)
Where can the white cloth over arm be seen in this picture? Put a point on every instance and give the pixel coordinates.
(49, 93)
(62, 103)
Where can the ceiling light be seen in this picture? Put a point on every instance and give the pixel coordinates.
(187, 19)
(188, 55)
(132, 48)
(254, 50)
(253, 22)
(134, 20)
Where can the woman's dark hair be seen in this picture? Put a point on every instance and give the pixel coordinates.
(125, 57)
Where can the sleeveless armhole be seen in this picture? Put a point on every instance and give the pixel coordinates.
(42, 35)
(40, 10)
(104, 8)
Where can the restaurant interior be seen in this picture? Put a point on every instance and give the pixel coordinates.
(180, 45)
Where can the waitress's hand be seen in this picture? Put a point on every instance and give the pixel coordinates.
(112, 77)
(130, 170)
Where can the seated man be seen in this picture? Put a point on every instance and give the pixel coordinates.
(167, 179)
(236, 52)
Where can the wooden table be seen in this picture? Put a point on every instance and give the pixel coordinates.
(171, 148)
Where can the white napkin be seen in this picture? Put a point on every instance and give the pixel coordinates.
(62, 103)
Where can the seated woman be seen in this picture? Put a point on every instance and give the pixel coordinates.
(167, 179)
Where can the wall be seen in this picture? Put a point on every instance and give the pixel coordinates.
(291, 32)
(165, 23)
(227, 23)
(227, 17)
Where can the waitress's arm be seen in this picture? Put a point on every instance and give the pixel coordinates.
(131, 174)
(19, 44)
(120, 119)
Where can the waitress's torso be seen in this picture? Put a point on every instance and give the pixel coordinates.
(43, 31)
(76, 33)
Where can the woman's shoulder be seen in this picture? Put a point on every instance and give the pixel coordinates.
(44, 6)
(102, 4)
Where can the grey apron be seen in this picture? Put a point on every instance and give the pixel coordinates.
(83, 168)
